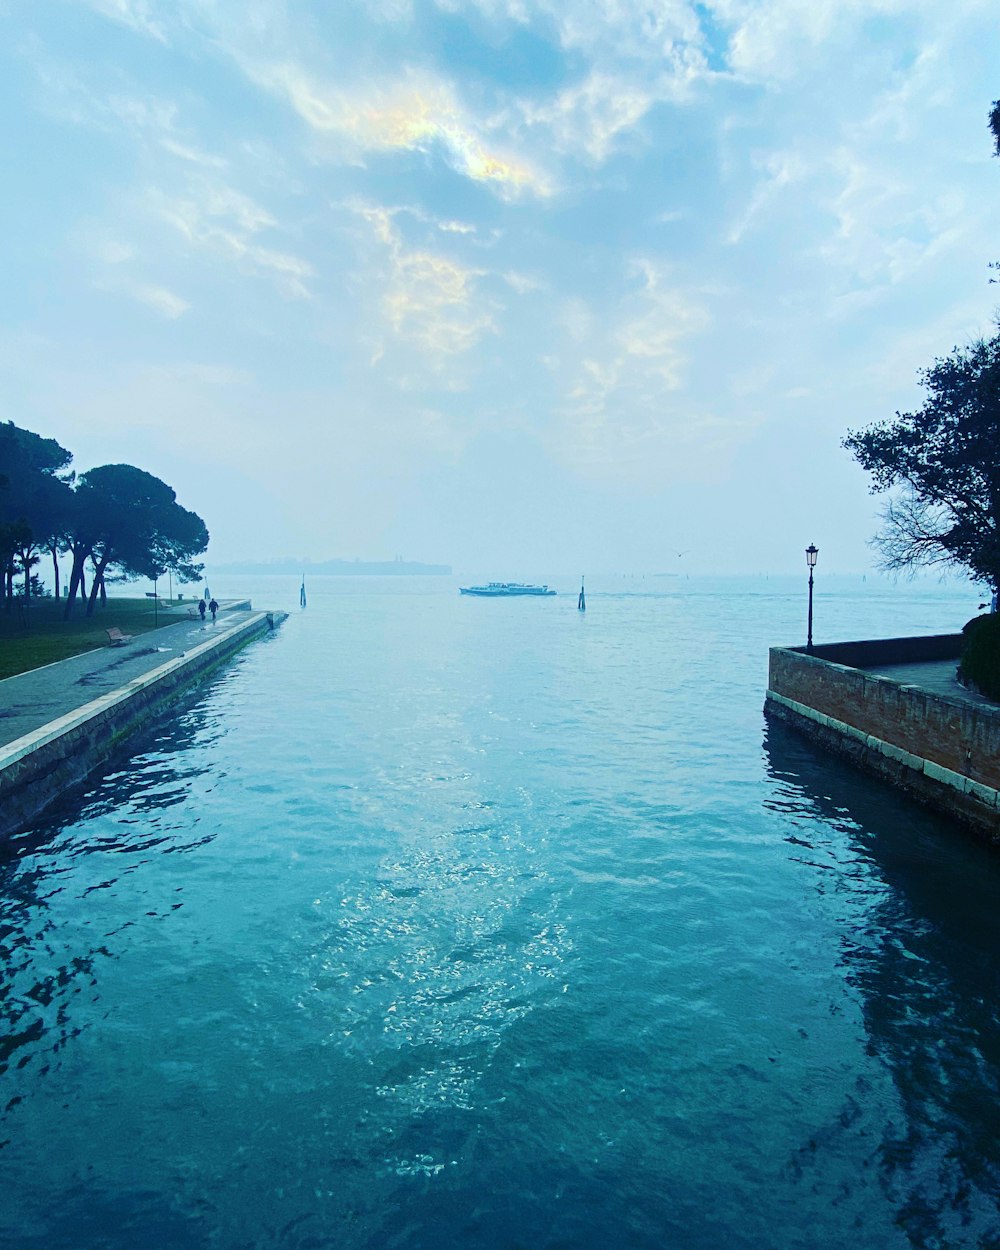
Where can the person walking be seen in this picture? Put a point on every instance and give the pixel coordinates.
(201, 610)
(213, 607)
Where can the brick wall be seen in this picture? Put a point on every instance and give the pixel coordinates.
(959, 736)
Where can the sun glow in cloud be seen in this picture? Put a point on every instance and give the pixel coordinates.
(416, 116)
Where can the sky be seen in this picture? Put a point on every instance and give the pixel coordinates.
(520, 286)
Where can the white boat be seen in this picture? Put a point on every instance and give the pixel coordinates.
(500, 590)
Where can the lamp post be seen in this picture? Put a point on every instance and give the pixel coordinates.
(812, 551)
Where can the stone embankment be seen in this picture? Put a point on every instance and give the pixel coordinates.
(54, 732)
(895, 708)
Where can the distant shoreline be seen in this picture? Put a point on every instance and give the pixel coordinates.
(363, 568)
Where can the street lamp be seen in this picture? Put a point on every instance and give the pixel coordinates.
(812, 551)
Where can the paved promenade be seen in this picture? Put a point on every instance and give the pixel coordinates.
(937, 676)
(31, 700)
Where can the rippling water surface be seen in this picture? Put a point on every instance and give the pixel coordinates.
(435, 922)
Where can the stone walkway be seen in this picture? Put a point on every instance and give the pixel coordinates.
(937, 676)
(31, 700)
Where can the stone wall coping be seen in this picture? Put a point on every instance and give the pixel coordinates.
(919, 639)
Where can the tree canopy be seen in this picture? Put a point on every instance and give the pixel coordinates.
(134, 527)
(127, 522)
(29, 490)
(945, 461)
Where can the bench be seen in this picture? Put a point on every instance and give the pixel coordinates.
(116, 638)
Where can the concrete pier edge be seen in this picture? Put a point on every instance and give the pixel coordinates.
(37, 768)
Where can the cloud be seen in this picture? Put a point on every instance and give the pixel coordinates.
(627, 416)
(775, 42)
(456, 227)
(116, 260)
(590, 115)
(137, 15)
(522, 283)
(159, 299)
(604, 30)
(221, 220)
(632, 55)
(195, 156)
(624, 57)
(154, 121)
(198, 202)
(444, 225)
(767, 41)
(665, 318)
(420, 114)
(780, 171)
(151, 121)
(578, 319)
(113, 251)
(826, 140)
(428, 301)
(885, 234)
(628, 55)
(389, 10)
(633, 27)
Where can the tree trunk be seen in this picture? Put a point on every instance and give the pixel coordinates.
(75, 581)
(55, 569)
(96, 582)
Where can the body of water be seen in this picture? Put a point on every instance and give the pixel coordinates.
(442, 922)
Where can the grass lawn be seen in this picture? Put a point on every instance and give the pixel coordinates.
(44, 637)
